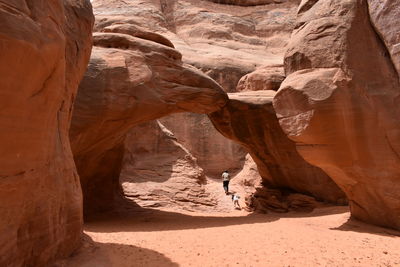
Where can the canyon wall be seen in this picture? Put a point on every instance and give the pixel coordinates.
(45, 47)
(339, 102)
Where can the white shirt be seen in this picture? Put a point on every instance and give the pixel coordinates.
(225, 176)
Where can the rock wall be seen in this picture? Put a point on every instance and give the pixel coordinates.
(225, 42)
(250, 120)
(158, 171)
(44, 48)
(214, 152)
(339, 102)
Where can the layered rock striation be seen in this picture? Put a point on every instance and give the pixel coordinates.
(339, 102)
(44, 48)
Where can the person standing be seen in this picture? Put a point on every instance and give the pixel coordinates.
(225, 181)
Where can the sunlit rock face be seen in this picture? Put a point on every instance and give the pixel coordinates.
(339, 102)
(44, 48)
(160, 172)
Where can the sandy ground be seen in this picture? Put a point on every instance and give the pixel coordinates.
(145, 237)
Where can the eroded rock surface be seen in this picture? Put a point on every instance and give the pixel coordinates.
(130, 80)
(224, 41)
(214, 152)
(339, 102)
(250, 120)
(158, 171)
(45, 47)
(264, 78)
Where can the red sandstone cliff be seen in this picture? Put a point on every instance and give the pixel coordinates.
(339, 102)
(45, 47)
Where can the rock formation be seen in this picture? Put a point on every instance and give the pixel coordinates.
(264, 78)
(130, 80)
(209, 36)
(225, 42)
(158, 171)
(339, 102)
(45, 47)
(250, 120)
(213, 151)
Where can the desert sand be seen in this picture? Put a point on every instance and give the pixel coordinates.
(147, 237)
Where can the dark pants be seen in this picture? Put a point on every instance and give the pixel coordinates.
(226, 185)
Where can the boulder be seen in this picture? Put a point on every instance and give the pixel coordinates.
(339, 102)
(264, 78)
(44, 48)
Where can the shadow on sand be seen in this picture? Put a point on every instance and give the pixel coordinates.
(138, 219)
(95, 254)
(355, 225)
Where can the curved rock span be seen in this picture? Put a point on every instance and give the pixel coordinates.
(249, 119)
(340, 101)
(130, 80)
(44, 48)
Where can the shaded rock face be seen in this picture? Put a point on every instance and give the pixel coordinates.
(158, 171)
(250, 120)
(130, 80)
(384, 17)
(214, 152)
(339, 103)
(45, 47)
(264, 200)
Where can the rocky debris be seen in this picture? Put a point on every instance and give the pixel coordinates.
(45, 47)
(158, 171)
(264, 200)
(249, 119)
(129, 81)
(265, 78)
(339, 101)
